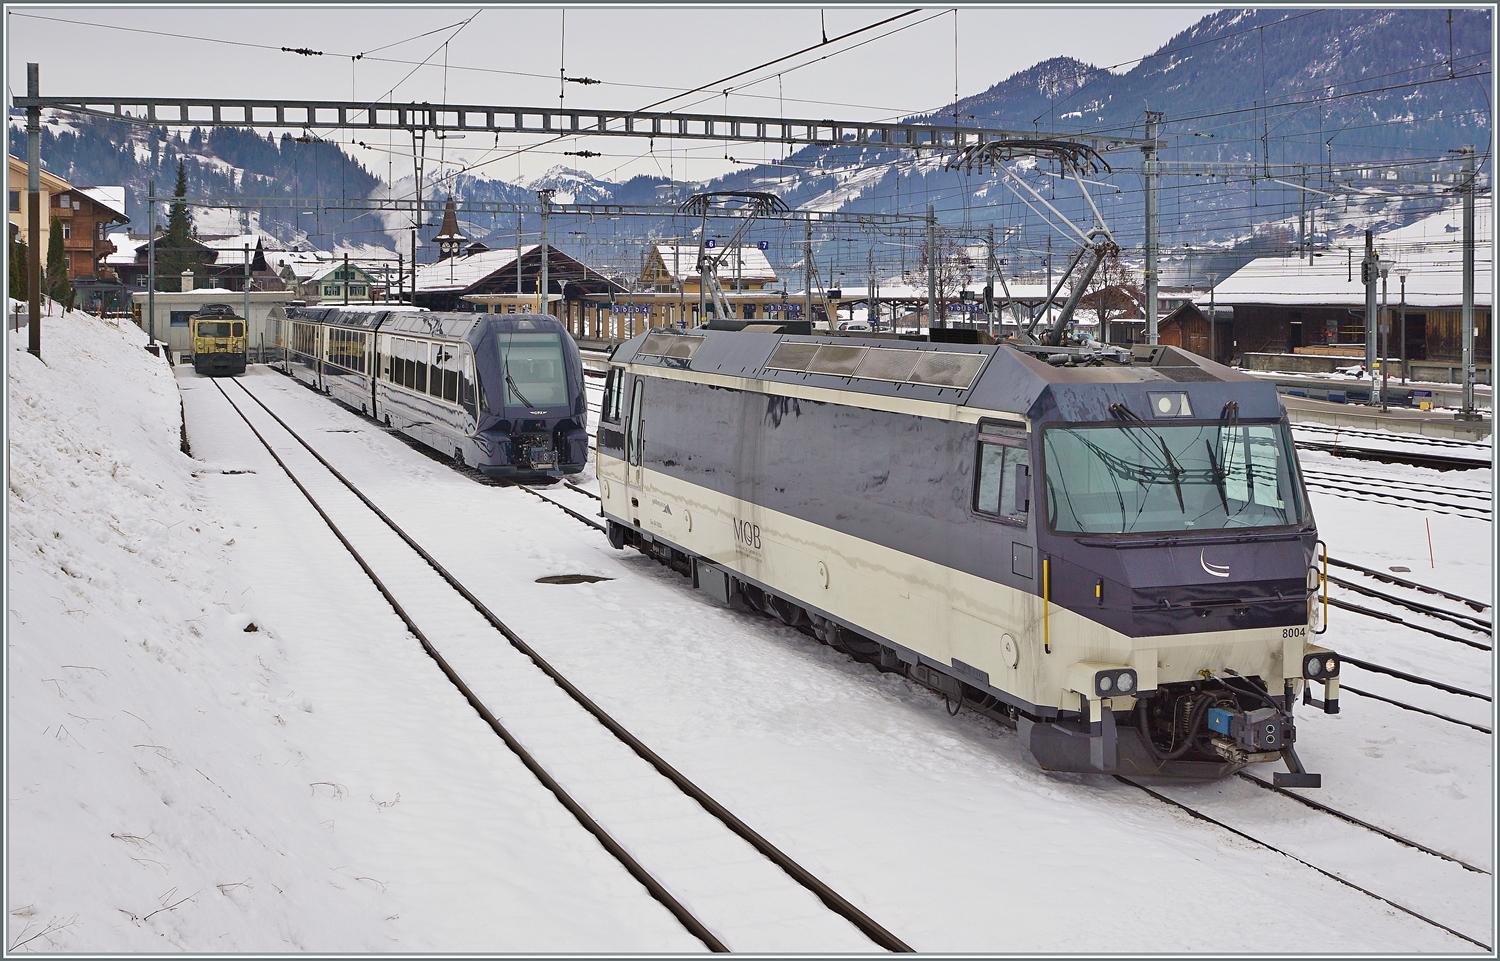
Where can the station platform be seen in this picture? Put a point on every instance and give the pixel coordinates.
(1428, 423)
(1351, 391)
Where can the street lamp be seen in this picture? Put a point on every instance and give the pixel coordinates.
(1402, 272)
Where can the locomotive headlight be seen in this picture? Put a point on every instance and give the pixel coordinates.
(1116, 681)
(1321, 666)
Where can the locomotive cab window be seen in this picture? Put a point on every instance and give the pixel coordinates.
(1128, 479)
(532, 367)
(614, 392)
(1002, 482)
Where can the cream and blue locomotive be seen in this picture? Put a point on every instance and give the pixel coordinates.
(1113, 551)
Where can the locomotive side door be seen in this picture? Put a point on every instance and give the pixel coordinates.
(634, 440)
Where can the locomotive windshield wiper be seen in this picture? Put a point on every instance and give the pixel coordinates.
(1218, 476)
(510, 382)
(1173, 471)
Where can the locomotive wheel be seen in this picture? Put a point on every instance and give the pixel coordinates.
(458, 456)
(788, 613)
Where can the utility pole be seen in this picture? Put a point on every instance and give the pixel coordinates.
(1467, 186)
(1369, 273)
(150, 260)
(1149, 164)
(346, 280)
(34, 214)
(807, 272)
(1213, 319)
(545, 196)
(989, 284)
(1048, 306)
(247, 289)
(1385, 339)
(1402, 272)
(932, 254)
(400, 278)
(872, 300)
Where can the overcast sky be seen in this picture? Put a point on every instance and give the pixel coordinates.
(512, 56)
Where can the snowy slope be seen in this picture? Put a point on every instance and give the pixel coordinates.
(179, 782)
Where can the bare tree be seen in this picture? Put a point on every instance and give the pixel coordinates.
(955, 272)
(1114, 292)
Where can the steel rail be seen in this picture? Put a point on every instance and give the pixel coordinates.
(1419, 710)
(1412, 678)
(656, 889)
(1398, 500)
(835, 901)
(1394, 619)
(1320, 806)
(1414, 585)
(1271, 847)
(1462, 620)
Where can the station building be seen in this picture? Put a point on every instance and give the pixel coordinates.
(1284, 314)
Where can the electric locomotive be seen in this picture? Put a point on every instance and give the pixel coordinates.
(503, 393)
(1111, 550)
(218, 340)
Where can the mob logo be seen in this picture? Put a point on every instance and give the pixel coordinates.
(747, 534)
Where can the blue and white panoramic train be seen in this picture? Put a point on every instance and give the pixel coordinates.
(499, 392)
(1112, 550)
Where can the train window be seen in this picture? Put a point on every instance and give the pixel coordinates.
(532, 366)
(466, 382)
(419, 363)
(1120, 479)
(1003, 485)
(238, 330)
(609, 409)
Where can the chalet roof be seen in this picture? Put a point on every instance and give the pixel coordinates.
(50, 181)
(125, 248)
(111, 198)
(463, 271)
(1431, 249)
(681, 263)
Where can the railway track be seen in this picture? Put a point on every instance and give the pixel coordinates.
(738, 889)
(1433, 887)
(1459, 501)
(1434, 459)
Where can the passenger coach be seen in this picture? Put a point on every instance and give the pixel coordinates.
(1117, 557)
(502, 393)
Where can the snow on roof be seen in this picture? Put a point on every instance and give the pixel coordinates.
(125, 248)
(465, 270)
(1431, 249)
(747, 263)
(111, 197)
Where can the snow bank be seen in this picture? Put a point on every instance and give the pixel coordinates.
(153, 804)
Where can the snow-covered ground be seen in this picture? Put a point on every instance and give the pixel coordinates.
(179, 782)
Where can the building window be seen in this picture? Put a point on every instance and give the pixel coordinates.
(99, 230)
(62, 201)
(331, 290)
(15, 201)
(180, 317)
(67, 230)
(357, 290)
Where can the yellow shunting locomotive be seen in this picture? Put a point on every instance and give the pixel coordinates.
(218, 340)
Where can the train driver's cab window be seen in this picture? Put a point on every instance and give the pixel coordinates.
(1003, 480)
(614, 393)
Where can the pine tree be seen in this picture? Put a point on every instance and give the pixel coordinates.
(56, 282)
(18, 272)
(176, 253)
